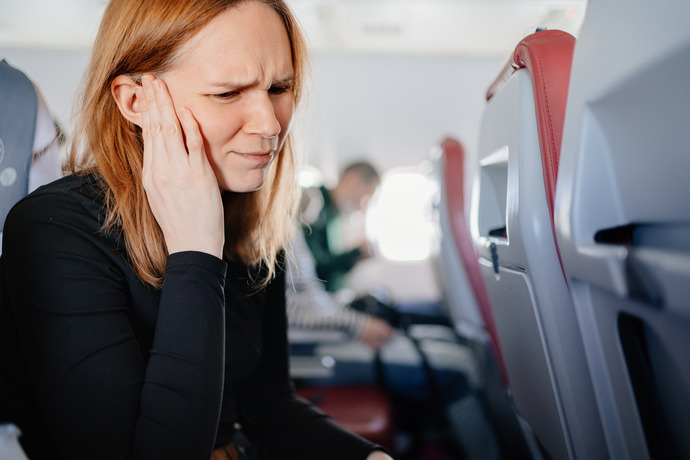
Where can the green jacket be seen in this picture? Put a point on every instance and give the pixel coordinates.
(323, 237)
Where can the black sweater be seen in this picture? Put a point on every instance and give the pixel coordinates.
(95, 364)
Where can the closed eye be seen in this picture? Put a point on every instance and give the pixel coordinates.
(279, 89)
(225, 96)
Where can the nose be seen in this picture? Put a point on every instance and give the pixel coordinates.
(261, 116)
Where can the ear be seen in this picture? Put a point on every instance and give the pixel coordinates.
(123, 89)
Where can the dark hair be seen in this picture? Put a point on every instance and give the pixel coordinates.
(365, 170)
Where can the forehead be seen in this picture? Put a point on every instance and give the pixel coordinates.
(247, 41)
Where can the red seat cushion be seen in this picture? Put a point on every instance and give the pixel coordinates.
(362, 409)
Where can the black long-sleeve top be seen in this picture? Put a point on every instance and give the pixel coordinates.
(95, 364)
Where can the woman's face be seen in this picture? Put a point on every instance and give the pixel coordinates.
(236, 77)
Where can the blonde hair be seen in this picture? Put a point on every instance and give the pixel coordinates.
(137, 37)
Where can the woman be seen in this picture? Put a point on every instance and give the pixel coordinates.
(143, 309)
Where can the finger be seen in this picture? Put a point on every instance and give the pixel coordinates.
(145, 126)
(193, 139)
(158, 149)
(171, 133)
(150, 102)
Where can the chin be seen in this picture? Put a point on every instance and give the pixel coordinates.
(249, 183)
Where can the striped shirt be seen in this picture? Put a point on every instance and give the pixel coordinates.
(309, 305)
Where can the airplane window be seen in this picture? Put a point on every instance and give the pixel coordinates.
(398, 220)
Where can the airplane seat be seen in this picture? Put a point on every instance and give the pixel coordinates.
(363, 409)
(463, 285)
(466, 297)
(18, 115)
(511, 222)
(623, 221)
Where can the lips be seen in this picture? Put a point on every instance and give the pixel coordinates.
(257, 157)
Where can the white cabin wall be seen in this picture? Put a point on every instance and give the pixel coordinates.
(393, 109)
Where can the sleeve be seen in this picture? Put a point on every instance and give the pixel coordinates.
(309, 305)
(97, 393)
(283, 425)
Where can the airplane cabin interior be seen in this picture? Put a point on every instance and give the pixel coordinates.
(528, 239)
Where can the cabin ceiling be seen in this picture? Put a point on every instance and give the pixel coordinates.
(455, 27)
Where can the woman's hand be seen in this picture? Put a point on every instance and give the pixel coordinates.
(180, 184)
(379, 455)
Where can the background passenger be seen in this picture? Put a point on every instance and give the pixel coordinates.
(356, 185)
(311, 308)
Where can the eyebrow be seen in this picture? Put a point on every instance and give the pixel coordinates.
(237, 86)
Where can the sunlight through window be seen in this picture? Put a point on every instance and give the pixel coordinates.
(398, 220)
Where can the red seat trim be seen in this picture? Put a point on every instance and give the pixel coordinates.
(547, 55)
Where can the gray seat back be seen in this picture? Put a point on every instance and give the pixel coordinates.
(18, 107)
